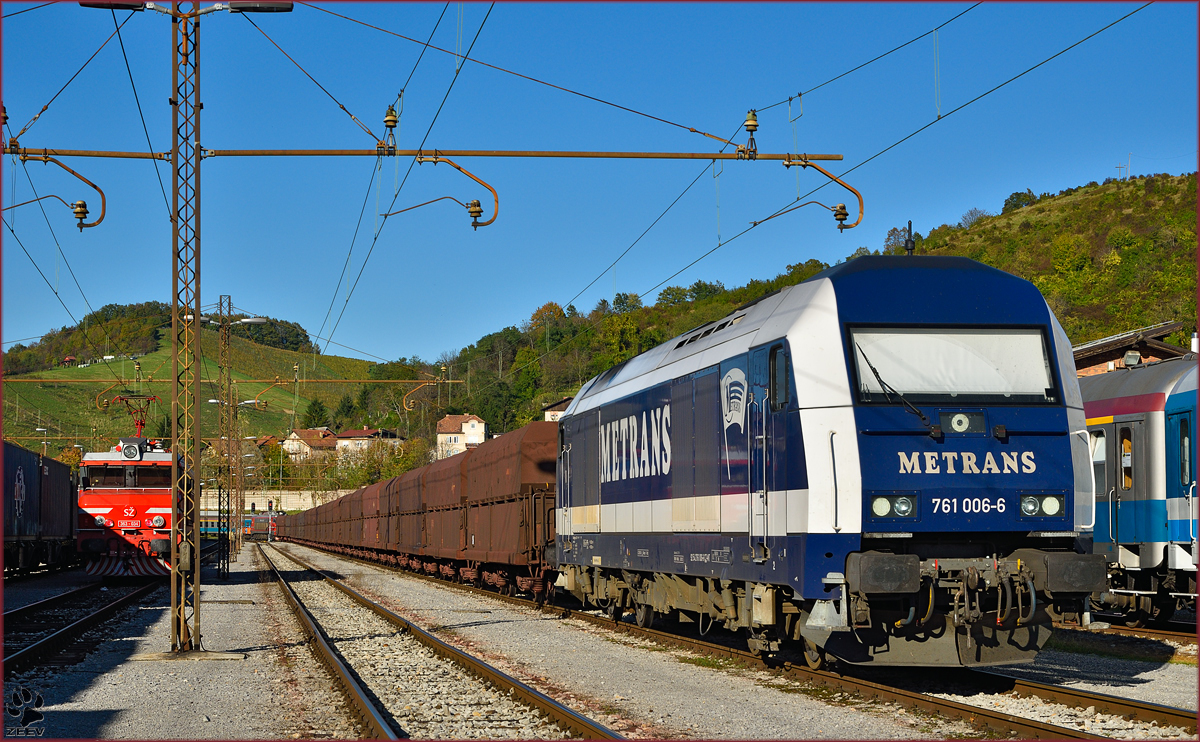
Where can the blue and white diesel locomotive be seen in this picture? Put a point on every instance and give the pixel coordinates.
(1142, 421)
(887, 463)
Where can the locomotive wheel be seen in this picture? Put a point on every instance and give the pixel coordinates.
(643, 613)
(1138, 617)
(814, 656)
(1161, 612)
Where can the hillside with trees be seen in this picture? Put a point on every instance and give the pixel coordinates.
(1109, 257)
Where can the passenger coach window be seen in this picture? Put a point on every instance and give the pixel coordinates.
(780, 388)
(1099, 462)
(1185, 451)
(1126, 437)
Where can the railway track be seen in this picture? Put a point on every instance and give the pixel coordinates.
(988, 719)
(36, 632)
(1175, 632)
(409, 689)
(33, 633)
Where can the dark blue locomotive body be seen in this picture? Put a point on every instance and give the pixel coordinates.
(887, 462)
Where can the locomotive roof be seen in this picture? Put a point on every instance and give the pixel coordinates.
(870, 289)
(1159, 379)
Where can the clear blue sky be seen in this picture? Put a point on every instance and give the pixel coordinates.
(276, 232)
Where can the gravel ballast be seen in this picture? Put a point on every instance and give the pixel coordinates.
(634, 687)
(429, 697)
(278, 691)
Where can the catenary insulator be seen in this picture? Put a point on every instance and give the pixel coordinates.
(3, 115)
(81, 212)
(474, 209)
(840, 213)
(751, 121)
(390, 119)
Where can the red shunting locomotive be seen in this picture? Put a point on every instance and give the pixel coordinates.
(125, 504)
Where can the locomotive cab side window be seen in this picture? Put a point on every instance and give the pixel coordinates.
(1100, 462)
(780, 389)
(1125, 436)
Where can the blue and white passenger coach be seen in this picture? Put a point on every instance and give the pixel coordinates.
(1142, 419)
(887, 462)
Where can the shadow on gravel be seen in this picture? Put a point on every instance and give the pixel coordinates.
(76, 724)
(67, 684)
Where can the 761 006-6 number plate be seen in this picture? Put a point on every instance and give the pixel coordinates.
(968, 505)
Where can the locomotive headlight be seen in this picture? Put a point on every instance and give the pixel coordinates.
(1051, 505)
(157, 521)
(1030, 506)
(881, 507)
(100, 520)
(903, 506)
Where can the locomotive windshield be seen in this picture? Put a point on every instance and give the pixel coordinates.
(127, 476)
(941, 365)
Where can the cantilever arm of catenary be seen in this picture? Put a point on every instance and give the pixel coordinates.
(436, 158)
(47, 158)
(803, 161)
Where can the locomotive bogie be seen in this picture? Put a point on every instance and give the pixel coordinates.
(863, 476)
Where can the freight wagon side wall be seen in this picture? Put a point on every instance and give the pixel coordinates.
(503, 522)
(58, 501)
(443, 500)
(409, 512)
(22, 486)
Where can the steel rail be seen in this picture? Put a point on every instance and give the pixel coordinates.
(1106, 704)
(363, 708)
(1185, 634)
(43, 647)
(20, 614)
(564, 716)
(978, 716)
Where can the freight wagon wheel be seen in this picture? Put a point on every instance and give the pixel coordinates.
(643, 614)
(814, 656)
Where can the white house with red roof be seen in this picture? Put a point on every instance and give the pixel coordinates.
(457, 433)
(355, 441)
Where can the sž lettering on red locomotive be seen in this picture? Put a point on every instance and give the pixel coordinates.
(867, 464)
(124, 527)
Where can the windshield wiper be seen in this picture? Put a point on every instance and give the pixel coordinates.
(886, 387)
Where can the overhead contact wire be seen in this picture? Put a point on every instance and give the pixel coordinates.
(518, 74)
(875, 59)
(46, 107)
(362, 211)
(754, 225)
(88, 304)
(149, 146)
(410, 167)
(19, 12)
(354, 118)
(55, 292)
